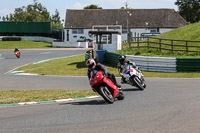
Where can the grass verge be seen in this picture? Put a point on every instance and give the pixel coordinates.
(75, 66)
(17, 96)
(23, 44)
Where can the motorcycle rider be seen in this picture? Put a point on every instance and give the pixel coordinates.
(122, 63)
(16, 50)
(99, 67)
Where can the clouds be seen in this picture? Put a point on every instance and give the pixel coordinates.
(116, 4)
(4, 12)
(106, 4)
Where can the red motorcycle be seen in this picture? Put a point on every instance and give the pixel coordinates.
(17, 54)
(105, 87)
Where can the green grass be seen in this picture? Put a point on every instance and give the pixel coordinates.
(70, 66)
(23, 44)
(17, 96)
(75, 66)
(189, 32)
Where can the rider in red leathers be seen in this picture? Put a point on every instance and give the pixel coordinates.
(99, 67)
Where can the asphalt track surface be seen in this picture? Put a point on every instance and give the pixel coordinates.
(168, 105)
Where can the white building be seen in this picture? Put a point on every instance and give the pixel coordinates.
(139, 21)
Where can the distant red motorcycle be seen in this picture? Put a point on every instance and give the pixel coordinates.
(105, 87)
(17, 54)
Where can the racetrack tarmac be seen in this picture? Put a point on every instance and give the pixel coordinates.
(167, 105)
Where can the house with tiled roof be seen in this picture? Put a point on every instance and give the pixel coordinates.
(137, 21)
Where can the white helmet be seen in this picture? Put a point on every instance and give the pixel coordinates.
(91, 64)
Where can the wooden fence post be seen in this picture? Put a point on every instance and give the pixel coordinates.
(129, 42)
(148, 42)
(172, 44)
(186, 46)
(160, 43)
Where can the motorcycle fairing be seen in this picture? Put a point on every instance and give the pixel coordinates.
(96, 78)
(112, 85)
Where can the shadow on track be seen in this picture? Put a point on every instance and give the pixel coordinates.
(131, 89)
(10, 58)
(92, 102)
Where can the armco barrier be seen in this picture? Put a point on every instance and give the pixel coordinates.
(111, 58)
(159, 64)
(188, 64)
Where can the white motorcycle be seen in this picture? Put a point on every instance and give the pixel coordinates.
(133, 77)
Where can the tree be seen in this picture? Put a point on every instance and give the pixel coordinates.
(55, 19)
(32, 13)
(189, 10)
(4, 18)
(123, 8)
(92, 7)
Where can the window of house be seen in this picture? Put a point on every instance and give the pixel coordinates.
(153, 30)
(77, 31)
(67, 35)
(124, 31)
(106, 39)
(80, 31)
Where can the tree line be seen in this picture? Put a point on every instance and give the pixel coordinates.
(189, 10)
(35, 12)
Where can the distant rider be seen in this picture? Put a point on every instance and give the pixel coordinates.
(16, 50)
(99, 67)
(122, 63)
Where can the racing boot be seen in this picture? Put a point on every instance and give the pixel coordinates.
(123, 80)
(120, 95)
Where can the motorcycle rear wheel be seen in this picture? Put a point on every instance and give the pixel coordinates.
(106, 94)
(138, 83)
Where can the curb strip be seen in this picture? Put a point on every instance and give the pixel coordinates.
(50, 101)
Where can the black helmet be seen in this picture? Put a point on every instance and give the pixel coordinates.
(122, 58)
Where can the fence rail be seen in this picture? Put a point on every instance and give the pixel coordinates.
(165, 44)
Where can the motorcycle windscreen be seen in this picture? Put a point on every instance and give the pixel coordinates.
(93, 73)
(127, 70)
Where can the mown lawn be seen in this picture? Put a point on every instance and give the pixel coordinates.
(17, 96)
(75, 66)
(189, 32)
(23, 44)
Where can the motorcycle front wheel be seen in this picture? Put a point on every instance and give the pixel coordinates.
(138, 83)
(106, 94)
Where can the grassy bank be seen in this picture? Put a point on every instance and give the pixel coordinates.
(23, 44)
(17, 96)
(189, 32)
(75, 66)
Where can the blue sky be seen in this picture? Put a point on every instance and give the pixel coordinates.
(8, 6)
